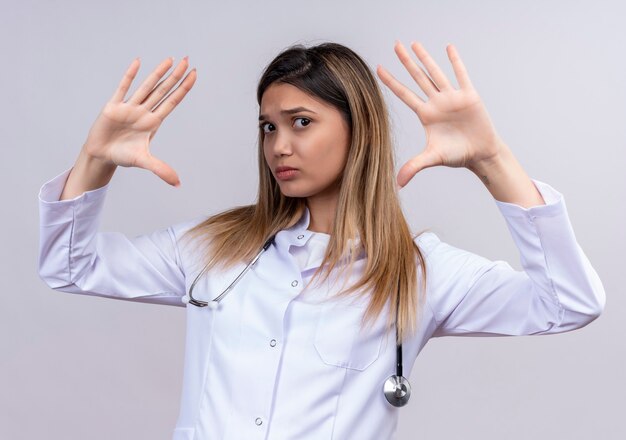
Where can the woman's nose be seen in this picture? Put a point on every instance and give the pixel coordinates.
(282, 144)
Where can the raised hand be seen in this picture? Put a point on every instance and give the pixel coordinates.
(459, 132)
(123, 130)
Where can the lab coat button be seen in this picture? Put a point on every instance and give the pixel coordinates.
(273, 342)
(258, 421)
(294, 283)
(300, 237)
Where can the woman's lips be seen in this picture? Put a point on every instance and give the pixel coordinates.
(286, 175)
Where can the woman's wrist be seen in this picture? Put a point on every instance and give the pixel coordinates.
(506, 180)
(88, 173)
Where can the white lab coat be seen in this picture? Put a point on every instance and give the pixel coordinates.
(274, 364)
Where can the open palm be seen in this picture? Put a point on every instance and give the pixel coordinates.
(459, 132)
(123, 130)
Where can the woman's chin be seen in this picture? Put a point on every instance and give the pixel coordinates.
(293, 194)
(290, 191)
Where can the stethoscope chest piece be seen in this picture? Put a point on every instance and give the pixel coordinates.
(397, 390)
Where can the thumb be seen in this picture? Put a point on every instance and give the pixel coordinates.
(160, 168)
(415, 165)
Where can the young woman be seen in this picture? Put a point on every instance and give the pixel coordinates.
(324, 264)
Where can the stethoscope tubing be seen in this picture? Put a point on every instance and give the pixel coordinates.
(200, 303)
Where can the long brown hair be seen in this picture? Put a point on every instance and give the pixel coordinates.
(368, 206)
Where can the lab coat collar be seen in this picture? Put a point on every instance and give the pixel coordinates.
(298, 234)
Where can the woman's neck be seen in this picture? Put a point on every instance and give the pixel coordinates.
(322, 209)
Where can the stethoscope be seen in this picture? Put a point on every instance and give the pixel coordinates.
(396, 388)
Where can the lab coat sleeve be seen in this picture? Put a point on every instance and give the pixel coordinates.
(557, 291)
(74, 257)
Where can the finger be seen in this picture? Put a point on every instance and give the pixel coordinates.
(416, 71)
(429, 78)
(166, 85)
(160, 168)
(431, 66)
(459, 68)
(400, 90)
(168, 104)
(415, 165)
(124, 85)
(146, 87)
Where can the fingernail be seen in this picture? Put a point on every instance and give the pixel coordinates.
(186, 57)
(177, 184)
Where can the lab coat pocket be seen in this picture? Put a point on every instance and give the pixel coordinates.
(339, 341)
(183, 434)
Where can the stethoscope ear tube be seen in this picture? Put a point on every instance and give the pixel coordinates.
(189, 299)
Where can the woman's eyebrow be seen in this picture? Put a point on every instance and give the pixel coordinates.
(289, 111)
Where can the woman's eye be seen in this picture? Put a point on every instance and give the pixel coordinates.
(263, 125)
(305, 119)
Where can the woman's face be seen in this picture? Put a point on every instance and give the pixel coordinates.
(306, 134)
